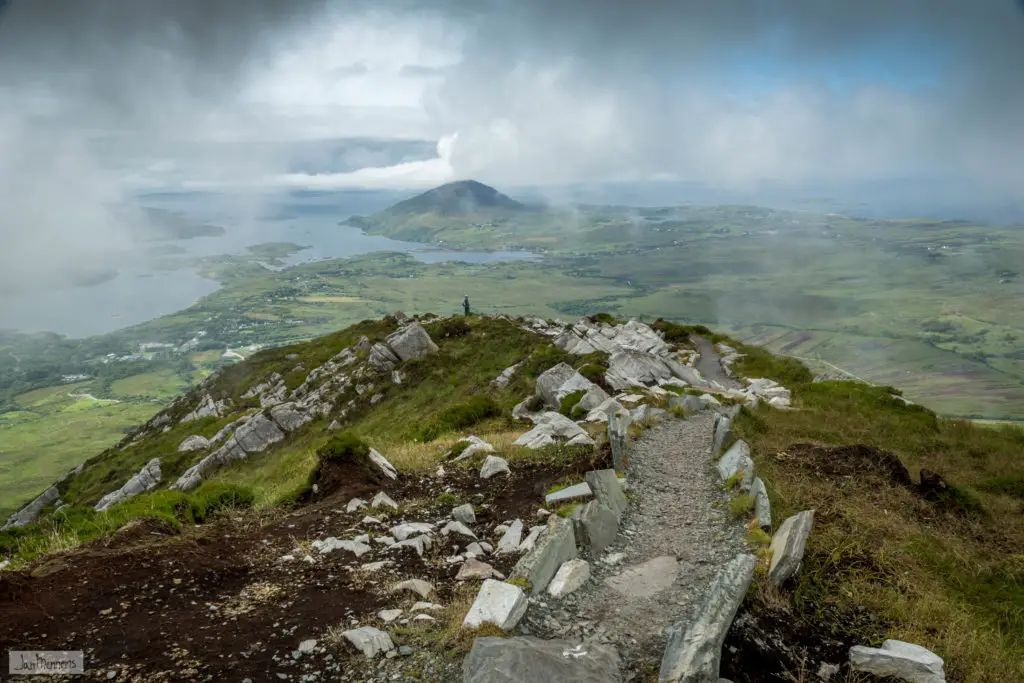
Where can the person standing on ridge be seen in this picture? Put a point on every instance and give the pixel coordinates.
(465, 304)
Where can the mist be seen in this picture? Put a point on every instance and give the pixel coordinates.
(104, 102)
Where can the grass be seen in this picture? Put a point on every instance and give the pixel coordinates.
(161, 384)
(940, 573)
(73, 526)
(741, 505)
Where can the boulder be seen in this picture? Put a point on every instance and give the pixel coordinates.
(411, 342)
(330, 544)
(694, 649)
(355, 505)
(737, 460)
(457, 528)
(618, 438)
(722, 435)
(207, 407)
(147, 479)
(498, 603)
(896, 659)
(558, 546)
(570, 577)
(530, 542)
(383, 465)
(552, 427)
(762, 506)
(526, 659)
(551, 380)
(407, 529)
(493, 465)
(464, 513)
(30, 513)
(194, 443)
(645, 413)
(369, 640)
(596, 525)
(788, 546)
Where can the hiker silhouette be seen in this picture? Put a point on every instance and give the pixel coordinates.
(465, 304)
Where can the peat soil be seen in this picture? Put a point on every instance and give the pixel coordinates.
(219, 603)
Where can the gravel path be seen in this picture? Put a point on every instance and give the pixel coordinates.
(709, 364)
(679, 515)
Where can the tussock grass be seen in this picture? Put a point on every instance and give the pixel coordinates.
(940, 573)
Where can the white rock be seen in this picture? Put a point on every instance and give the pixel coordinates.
(369, 640)
(464, 514)
(384, 540)
(418, 606)
(474, 569)
(901, 660)
(493, 465)
(510, 540)
(476, 446)
(569, 577)
(788, 546)
(407, 529)
(420, 544)
(475, 549)
(383, 499)
(355, 504)
(307, 646)
(497, 603)
(370, 520)
(458, 528)
(375, 566)
(530, 541)
(417, 586)
(331, 544)
(193, 443)
(389, 615)
(382, 463)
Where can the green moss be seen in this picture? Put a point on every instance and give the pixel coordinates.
(759, 538)
(521, 582)
(741, 505)
(566, 509)
(446, 499)
(569, 402)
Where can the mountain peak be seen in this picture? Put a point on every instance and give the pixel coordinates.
(459, 197)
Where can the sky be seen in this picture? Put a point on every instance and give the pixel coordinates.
(103, 99)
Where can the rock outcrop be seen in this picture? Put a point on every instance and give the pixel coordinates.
(147, 479)
(30, 513)
(498, 603)
(411, 342)
(552, 428)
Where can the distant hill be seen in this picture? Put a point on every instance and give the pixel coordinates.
(458, 206)
(458, 198)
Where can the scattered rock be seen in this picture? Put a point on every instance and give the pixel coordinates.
(596, 525)
(689, 403)
(382, 463)
(383, 499)
(407, 529)
(723, 434)
(389, 615)
(569, 578)
(425, 605)
(502, 380)
(465, 514)
(289, 416)
(525, 658)
(355, 504)
(369, 640)
(493, 465)
(476, 445)
(694, 650)
(331, 544)
(607, 489)
(510, 540)
(901, 660)
(307, 646)
(497, 603)
(551, 380)
(418, 586)
(458, 528)
(474, 569)
(788, 545)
